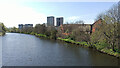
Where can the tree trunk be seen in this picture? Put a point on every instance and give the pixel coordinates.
(113, 46)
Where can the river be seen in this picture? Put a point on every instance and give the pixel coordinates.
(29, 50)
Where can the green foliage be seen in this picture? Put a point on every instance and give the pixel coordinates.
(2, 29)
(40, 35)
(53, 34)
(111, 52)
(32, 33)
(106, 36)
(13, 29)
(100, 45)
(39, 28)
(84, 43)
(117, 50)
(73, 42)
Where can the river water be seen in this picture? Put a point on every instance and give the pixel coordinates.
(28, 50)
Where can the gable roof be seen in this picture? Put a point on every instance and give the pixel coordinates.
(97, 21)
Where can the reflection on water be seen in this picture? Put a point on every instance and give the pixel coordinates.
(28, 50)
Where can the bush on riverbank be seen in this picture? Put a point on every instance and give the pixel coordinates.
(110, 52)
(2, 29)
(40, 35)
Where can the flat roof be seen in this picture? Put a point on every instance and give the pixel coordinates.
(59, 17)
(50, 16)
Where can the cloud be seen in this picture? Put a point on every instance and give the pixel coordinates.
(12, 14)
(84, 18)
(73, 18)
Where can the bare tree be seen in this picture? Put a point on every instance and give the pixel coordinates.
(109, 27)
(79, 22)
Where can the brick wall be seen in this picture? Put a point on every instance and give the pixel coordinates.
(96, 25)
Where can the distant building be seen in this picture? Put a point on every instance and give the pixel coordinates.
(50, 21)
(59, 21)
(27, 25)
(96, 25)
(67, 29)
(20, 26)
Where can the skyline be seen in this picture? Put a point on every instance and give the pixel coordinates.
(14, 13)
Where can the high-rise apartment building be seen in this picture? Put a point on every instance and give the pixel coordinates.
(20, 26)
(50, 21)
(59, 21)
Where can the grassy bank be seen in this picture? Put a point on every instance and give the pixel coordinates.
(39, 35)
(96, 46)
(73, 42)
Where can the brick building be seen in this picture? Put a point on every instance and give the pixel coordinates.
(66, 29)
(96, 25)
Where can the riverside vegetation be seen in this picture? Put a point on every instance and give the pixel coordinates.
(2, 29)
(105, 39)
(89, 41)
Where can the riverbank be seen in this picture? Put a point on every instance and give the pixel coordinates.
(1, 34)
(86, 44)
(104, 50)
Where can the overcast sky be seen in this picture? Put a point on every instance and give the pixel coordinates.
(14, 12)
